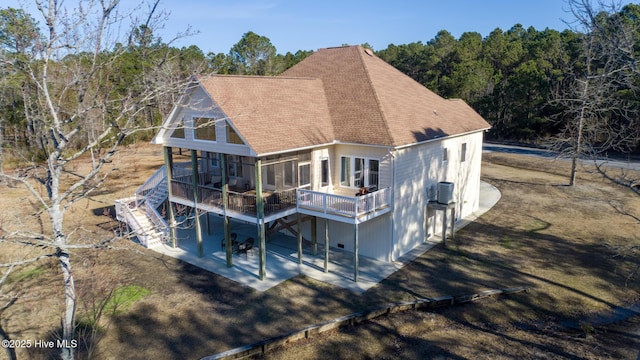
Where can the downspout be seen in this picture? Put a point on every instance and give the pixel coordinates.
(393, 205)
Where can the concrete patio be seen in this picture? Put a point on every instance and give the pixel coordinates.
(282, 257)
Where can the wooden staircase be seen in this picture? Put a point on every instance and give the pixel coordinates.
(141, 215)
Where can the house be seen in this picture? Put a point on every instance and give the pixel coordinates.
(341, 148)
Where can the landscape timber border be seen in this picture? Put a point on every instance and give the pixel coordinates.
(263, 347)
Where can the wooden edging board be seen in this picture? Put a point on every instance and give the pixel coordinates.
(267, 345)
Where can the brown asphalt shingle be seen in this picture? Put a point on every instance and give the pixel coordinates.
(371, 102)
(344, 94)
(273, 113)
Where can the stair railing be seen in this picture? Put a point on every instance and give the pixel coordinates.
(150, 186)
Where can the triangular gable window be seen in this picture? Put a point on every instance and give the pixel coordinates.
(178, 132)
(232, 136)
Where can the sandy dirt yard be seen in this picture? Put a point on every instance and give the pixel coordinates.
(560, 241)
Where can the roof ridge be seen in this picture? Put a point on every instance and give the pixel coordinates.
(362, 50)
(271, 77)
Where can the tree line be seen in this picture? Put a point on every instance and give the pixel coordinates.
(521, 80)
(516, 79)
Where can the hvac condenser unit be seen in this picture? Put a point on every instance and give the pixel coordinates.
(445, 192)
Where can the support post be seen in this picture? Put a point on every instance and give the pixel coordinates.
(260, 218)
(453, 219)
(355, 254)
(225, 224)
(444, 228)
(326, 245)
(299, 230)
(314, 235)
(208, 224)
(168, 163)
(194, 183)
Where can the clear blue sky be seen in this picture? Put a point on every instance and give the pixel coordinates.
(293, 25)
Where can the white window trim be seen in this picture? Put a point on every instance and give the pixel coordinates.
(193, 130)
(352, 163)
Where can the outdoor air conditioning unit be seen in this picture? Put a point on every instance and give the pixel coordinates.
(445, 192)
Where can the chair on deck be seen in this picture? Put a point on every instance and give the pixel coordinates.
(234, 241)
(246, 246)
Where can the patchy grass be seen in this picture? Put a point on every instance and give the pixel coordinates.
(31, 272)
(123, 297)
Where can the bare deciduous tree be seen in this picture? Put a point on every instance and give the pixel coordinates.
(70, 99)
(601, 112)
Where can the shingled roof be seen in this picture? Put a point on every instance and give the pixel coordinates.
(343, 94)
(371, 102)
(273, 113)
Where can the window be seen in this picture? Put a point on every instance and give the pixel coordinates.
(463, 155)
(289, 173)
(445, 154)
(178, 132)
(232, 136)
(304, 175)
(271, 175)
(324, 168)
(365, 172)
(235, 166)
(373, 173)
(204, 129)
(214, 159)
(345, 171)
(358, 172)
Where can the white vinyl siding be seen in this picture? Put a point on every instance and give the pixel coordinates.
(374, 236)
(420, 167)
(227, 140)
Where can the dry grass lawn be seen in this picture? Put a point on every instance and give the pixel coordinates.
(558, 240)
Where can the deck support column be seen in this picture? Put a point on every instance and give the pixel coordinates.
(314, 235)
(225, 223)
(299, 230)
(194, 181)
(355, 253)
(444, 228)
(260, 220)
(208, 224)
(326, 245)
(168, 163)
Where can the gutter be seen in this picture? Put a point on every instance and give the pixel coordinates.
(440, 138)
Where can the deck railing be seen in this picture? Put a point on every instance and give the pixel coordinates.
(124, 213)
(241, 202)
(349, 206)
(159, 222)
